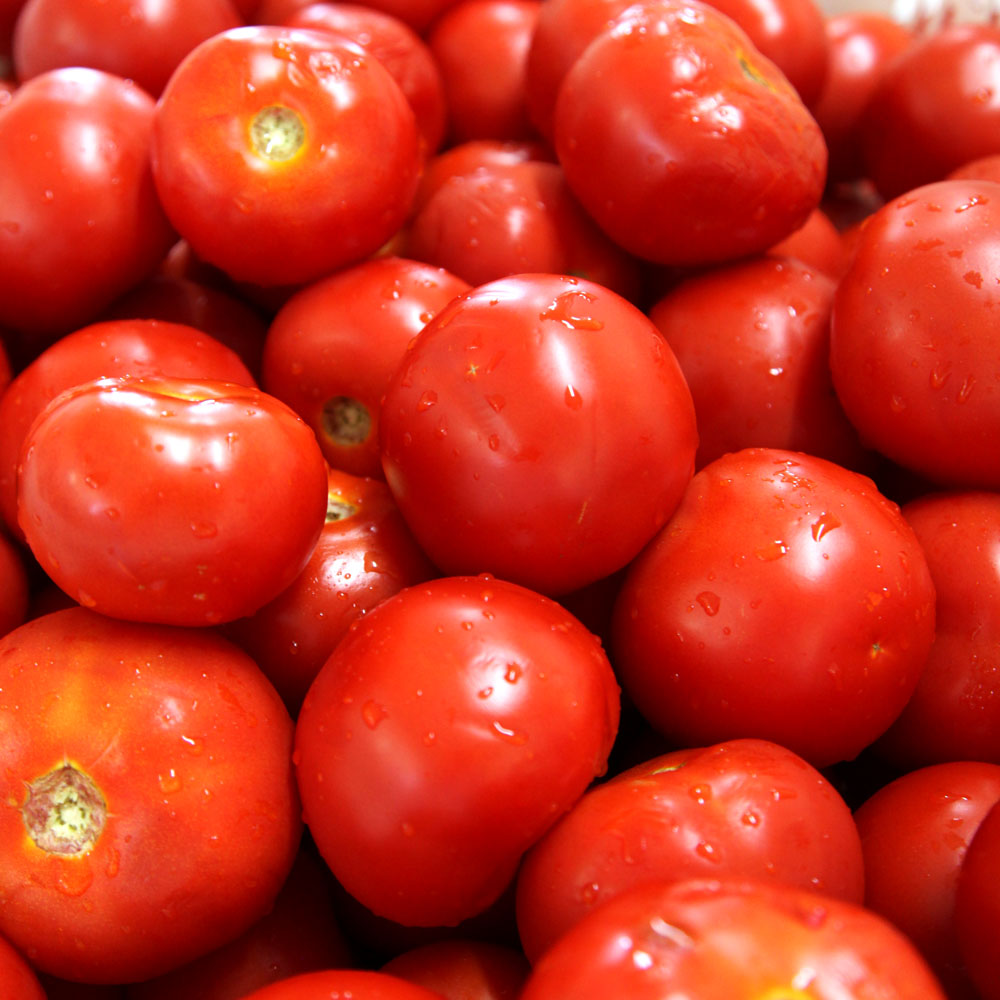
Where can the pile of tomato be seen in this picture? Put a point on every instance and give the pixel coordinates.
(498, 499)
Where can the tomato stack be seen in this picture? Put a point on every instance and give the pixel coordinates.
(500, 499)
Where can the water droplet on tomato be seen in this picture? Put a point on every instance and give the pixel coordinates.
(824, 524)
(572, 398)
(709, 602)
(373, 713)
(708, 851)
(204, 529)
(427, 399)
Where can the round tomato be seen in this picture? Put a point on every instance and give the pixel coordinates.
(539, 428)
(142, 498)
(786, 599)
(17, 978)
(13, 585)
(747, 808)
(356, 984)
(463, 969)
(480, 711)
(739, 940)
(914, 343)
(151, 808)
(977, 906)
(282, 154)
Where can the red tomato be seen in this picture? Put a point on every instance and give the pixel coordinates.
(17, 979)
(914, 345)
(331, 349)
(141, 41)
(685, 143)
(786, 599)
(977, 906)
(356, 984)
(738, 940)
(747, 808)
(480, 711)
(80, 222)
(914, 834)
(142, 498)
(460, 969)
(257, 123)
(13, 586)
(418, 14)
(152, 812)
(110, 348)
(817, 243)
(954, 714)
(398, 47)
(365, 554)
(753, 341)
(983, 168)
(540, 429)
(481, 48)
(936, 106)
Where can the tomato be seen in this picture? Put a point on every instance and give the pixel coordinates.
(982, 168)
(152, 813)
(481, 711)
(17, 978)
(80, 221)
(685, 143)
(954, 714)
(977, 906)
(365, 554)
(786, 599)
(741, 940)
(817, 243)
(357, 984)
(332, 347)
(936, 106)
(514, 219)
(461, 969)
(14, 585)
(481, 48)
(914, 348)
(127, 347)
(142, 41)
(397, 47)
(753, 341)
(540, 429)
(142, 498)
(914, 833)
(257, 122)
(747, 808)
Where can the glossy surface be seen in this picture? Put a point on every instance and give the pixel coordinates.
(539, 429)
(354, 983)
(480, 711)
(977, 906)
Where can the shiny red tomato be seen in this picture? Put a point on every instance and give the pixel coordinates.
(17, 978)
(463, 969)
(14, 585)
(151, 809)
(746, 809)
(540, 429)
(142, 498)
(977, 906)
(914, 344)
(914, 833)
(282, 154)
(786, 599)
(685, 143)
(738, 940)
(80, 221)
(817, 243)
(479, 711)
(349, 984)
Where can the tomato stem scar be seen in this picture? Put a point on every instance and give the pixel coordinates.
(277, 133)
(64, 812)
(346, 421)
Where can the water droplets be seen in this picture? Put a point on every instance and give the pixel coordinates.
(709, 602)
(373, 713)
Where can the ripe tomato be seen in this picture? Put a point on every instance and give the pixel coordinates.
(747, 808)
(80, 221)
(463, 969)
(142, 498)
(914, 345)
(817, 243)
(258, 122)
(786, 599)
(17, 978)
(356, 984)
(13, 585)
(738, 940)
(151, 809)
(977, 906)
(685, 143)
(539, 428)
(480, 711)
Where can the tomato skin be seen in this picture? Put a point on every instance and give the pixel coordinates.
(462, 969)
(81, 219)
(13, 585)
(189, 746)
(481, 710)
(686, 144)
(358, 984)
(977, 906)
(141, 497)
(817, 243)
(913, 340)
(747, 808)
(786, 599)
(239, 204)
(502, 432)
(17, 979)
(736, 939)
(915, 832)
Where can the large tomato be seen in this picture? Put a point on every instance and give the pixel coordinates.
(150, 808)
(349, 984)
(143, 498)
(785, 599)
(539, 428)
(977, 906)
(448, 730)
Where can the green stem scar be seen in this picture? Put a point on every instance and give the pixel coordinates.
(277, 133)
(64, 812)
